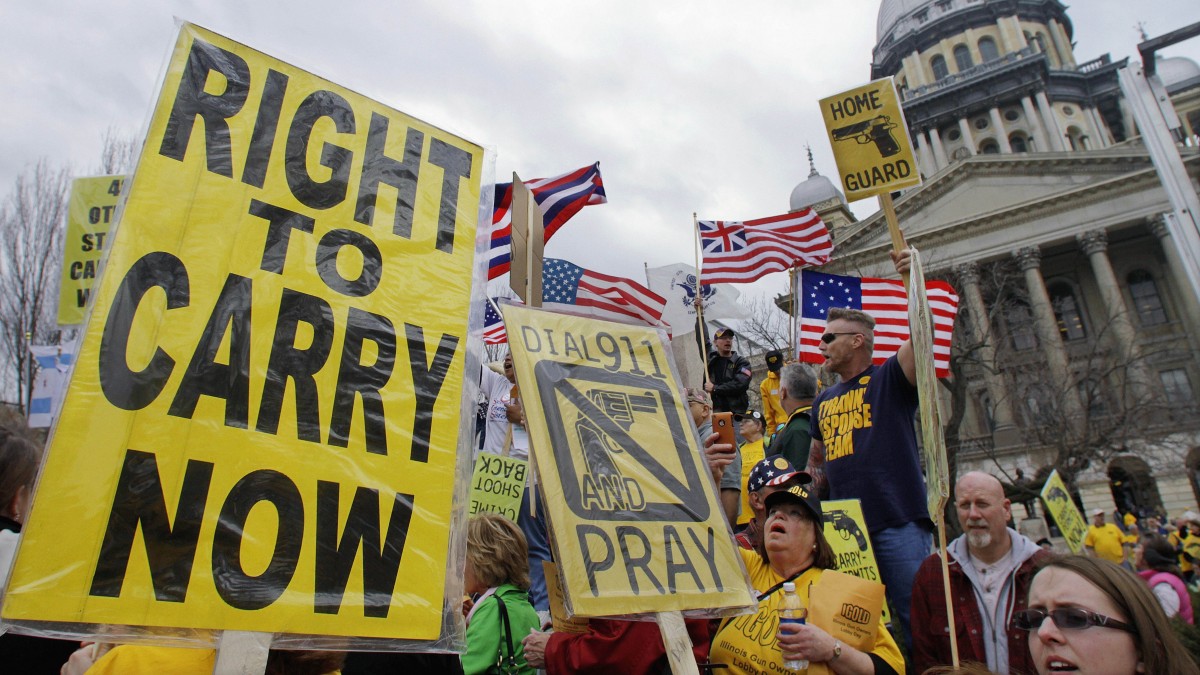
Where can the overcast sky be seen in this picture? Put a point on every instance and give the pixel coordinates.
(688, 106)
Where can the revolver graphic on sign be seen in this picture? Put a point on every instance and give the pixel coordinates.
(1057, 494)
(845, 526)
(877, 130)
(598, 447)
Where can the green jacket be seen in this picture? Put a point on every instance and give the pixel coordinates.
(485, 635)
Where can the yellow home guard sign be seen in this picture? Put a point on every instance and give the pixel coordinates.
(870, 140)
(632, 506)
(261, 430)
(91, 211)
(1065, 513)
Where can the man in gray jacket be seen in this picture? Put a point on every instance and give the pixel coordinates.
(991, 566)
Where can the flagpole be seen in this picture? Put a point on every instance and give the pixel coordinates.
(898, 244)
(793, 351)
(700, 305)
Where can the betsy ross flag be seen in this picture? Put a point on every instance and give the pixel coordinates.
(738, 252)
(493, 326)
(886, 302)
(569, 285)
(559, 197)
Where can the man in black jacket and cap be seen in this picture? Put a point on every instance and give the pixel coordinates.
(729, 375)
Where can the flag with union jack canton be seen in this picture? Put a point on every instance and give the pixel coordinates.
(571, 286)
(886, 301)
(559, 197)
(738, 252)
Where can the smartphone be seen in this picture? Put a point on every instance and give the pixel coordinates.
(722, 424)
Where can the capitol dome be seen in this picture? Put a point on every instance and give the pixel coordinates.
(890, 12)
(1177, 70)
(814, 190)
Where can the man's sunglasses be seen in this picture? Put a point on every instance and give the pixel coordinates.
(1066, 618)
(828, 338)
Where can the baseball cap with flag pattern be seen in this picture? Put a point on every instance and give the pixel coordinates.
(773, 471)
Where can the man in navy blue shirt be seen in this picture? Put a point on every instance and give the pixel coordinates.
(864, 446)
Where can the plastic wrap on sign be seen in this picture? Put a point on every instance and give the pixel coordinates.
(633, 508)
(262, 429)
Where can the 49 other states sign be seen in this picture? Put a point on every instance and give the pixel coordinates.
(261, 430)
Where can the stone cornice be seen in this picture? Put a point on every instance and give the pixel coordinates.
(1132, 174)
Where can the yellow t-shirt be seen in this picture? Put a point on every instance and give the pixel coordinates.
(773, 412)
(747, 644)
(138, 659)
(1107, 541)
(752, 453)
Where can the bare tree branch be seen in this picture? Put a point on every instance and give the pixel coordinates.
(32, 220)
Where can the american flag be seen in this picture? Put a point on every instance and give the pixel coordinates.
(743, 251)
(886, 301)
(560, 198)
(570, 285)
(493, 326)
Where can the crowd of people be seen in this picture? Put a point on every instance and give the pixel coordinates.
(1008, 604)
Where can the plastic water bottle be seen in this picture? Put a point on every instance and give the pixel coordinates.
(793, 612)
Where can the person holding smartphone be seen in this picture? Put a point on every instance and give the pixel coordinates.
(731, 481)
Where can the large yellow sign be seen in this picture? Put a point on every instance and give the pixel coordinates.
(262, 426)
(870, 140)
(1062, 509)
(631, 503)
(90, 214)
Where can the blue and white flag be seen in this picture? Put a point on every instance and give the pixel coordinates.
(54, 362)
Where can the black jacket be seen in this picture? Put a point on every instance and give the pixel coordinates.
(731, 379)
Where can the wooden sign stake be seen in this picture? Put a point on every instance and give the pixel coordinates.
(242, 652)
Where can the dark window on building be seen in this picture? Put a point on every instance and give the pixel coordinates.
(1017, 143)
(1066, 311)
(940, 70)
(1012, 114)
(953, 135)
(922, 16)
(1176, 387)
(981, 123)
(989, 147)
(1146, 301)
(987, 49)
(1019, 322)
(962, 58)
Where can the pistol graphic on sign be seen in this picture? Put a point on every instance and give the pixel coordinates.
(606, 473)
(877, 130)
(602, 476)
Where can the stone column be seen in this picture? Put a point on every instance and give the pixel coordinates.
(1011, 34)
(1035, 122)
(1095, 245)
(968, 138)
(939, 152)
(1030, 259)
(1062, 44)
(1102, 134)
(924, 156)
(1189, 305)
(1001, 134)
(1051, 121)
(1005, 432)
(1061, 47)
(916, 71)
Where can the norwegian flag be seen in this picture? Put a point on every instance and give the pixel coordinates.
(886, 301)
(493, 326)
(738, 252)
(559, 197)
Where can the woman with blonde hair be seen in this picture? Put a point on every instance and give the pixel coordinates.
(497, 577)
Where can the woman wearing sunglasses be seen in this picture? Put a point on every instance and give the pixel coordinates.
(1088, 615)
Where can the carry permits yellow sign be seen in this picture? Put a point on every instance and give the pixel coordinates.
(263, 422)
(630, 500)
(870, 140)
(846, 531)
(91, 210)
(1065, 513)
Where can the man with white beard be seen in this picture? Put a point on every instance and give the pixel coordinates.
(991, 566)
